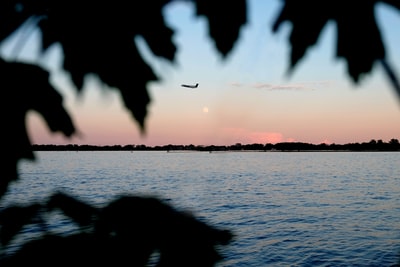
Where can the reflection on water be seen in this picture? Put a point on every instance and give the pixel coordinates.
(289, 208)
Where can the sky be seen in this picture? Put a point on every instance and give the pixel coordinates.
(246, 98)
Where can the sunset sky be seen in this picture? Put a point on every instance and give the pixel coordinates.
(247, 98)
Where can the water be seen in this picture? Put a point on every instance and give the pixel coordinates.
(286, 209)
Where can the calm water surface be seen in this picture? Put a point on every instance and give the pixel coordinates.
(286, 209)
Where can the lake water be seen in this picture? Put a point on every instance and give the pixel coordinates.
(285, 208)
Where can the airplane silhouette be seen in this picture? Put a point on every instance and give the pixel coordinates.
(190, 86)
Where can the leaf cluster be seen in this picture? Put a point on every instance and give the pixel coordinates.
(130, 230)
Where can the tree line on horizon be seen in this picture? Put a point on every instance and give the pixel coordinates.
(373, 145)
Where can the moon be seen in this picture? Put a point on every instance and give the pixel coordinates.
(205, 109)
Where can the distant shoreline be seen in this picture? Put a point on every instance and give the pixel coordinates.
(373, 146)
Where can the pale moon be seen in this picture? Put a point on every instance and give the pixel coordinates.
(205, 109)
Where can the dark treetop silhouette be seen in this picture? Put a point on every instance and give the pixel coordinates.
(96, 37)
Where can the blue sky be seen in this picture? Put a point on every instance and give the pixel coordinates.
(246, 98)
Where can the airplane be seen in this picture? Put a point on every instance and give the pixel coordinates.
(190, 86)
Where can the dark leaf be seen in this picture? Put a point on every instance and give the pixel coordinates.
(392, 77)
(73, 250)
(100, 40)
(153, 29)
(13, 218)
(147, 223)
(359, 40)
(9, 170)
(159, 39)
(393, 3)
(127, 231)
(80, 212)
(33, 92)
(12, 15)
(27, 87)
(225, 20)
(306, 25)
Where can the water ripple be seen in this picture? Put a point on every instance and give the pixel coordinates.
(286, 209)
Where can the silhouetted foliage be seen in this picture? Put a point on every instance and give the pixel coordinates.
(21, 98)
(359, 40)
(97, 37)
(128, 231)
